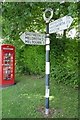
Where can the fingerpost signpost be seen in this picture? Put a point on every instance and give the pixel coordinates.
(52, 27)
(33, 38)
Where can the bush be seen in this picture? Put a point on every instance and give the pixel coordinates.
(64, 61)
(63, 58)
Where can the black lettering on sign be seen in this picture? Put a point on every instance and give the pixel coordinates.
(27, 41)
(26, 37)
(38, 42)
(34, 42)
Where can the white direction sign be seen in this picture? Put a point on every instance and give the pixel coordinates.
(33, 38)
(60, 24)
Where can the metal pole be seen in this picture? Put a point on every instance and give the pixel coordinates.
(47, 69)
(47, 76)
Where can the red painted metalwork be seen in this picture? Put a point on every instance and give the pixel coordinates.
(7, 65)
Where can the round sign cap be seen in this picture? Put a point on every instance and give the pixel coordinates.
(47, 19)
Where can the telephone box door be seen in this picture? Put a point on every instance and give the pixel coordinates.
(7, 63)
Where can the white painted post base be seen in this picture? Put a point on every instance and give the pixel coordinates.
(47, 111)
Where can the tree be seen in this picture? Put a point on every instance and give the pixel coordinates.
(20, 17)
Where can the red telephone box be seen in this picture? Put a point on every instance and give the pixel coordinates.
(7, 65)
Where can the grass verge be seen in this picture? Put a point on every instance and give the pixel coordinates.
(25, 98)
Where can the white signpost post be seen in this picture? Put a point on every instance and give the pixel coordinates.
(60, 24)
(33, 38)
(42, 39)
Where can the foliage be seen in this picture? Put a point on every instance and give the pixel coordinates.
(64, 56)
(32, 60)
(26, 16)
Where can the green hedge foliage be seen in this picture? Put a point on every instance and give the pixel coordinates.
(63, 60)
(31, 60)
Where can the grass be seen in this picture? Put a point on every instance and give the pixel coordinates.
(23, 99)
(0, 104)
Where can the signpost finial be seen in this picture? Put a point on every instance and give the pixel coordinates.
(47, 19)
